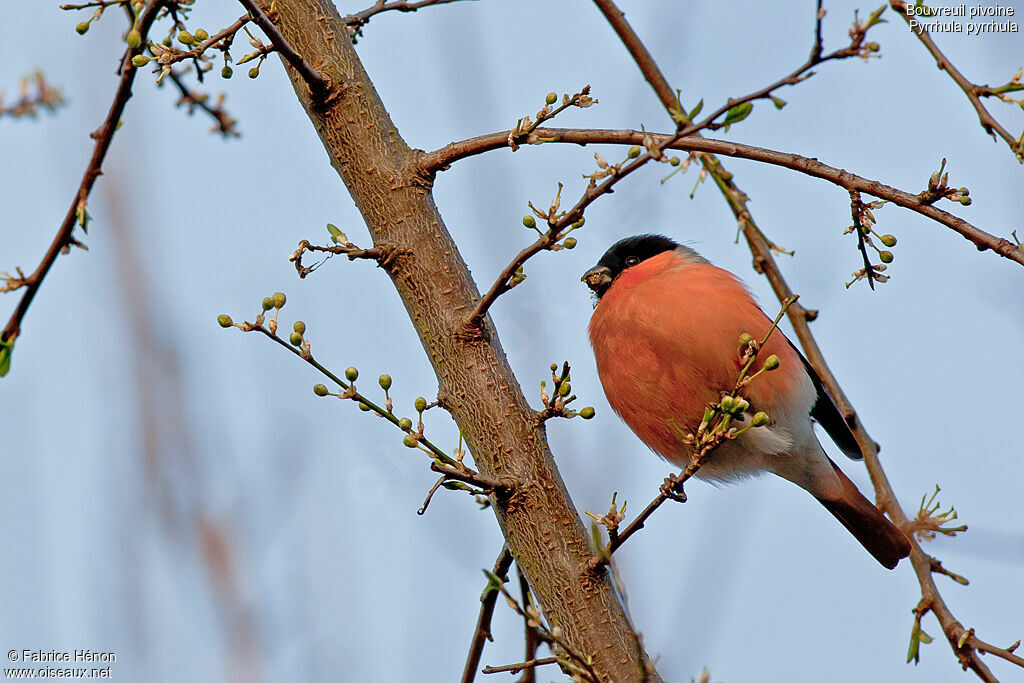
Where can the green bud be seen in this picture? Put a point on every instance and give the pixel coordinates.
(364, 407)
(964, 191)
(886, 256)
(771, 363)
(409, 441)
(186, 38)
(587, 413)
(966, 201)
(224, 320)
(744, 342)
(319, 389)
(384, 381)
(674, 161)
(254, 72)
(740, 405)
(634, 152)
(872, 47)
(888, 240)
(727, 404)
(201, 35)
(564, 388)
(299, 327)
(226, 72)
(268, 303)
(551, 98)
(554, 367)
(529, 222)
(405, 424)
(351, 374)
(420, 404)
(279, 299)
(295, 339)
(166, 42)
(579, 224)
(569, 243)
(140, 60)
(760, 420)
(82, 28)
(134, 38)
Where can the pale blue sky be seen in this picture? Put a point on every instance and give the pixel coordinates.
(334, 575)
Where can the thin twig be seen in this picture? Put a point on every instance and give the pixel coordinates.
(223, 122)
(973, 91)
(812, 167)
(316, 82)
(103, 137)
(357, 20)
(526, 667)
(530, 633)
(482, 633)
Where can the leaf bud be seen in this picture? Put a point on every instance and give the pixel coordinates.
(364, 407)
(351, 374)
(385, 382)
(579, 224)
(224, 320)
(319, 389)
(587, 413)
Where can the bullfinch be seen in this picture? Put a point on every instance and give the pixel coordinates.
(665, 333)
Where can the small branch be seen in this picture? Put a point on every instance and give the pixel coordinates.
(28, 103)
(227, 35)
(526, 666)
(352, 251)
(482, 633)
(973, 92)
(103, 137)
(316, 82)
(812, 167)
(468, 476)
(223, 123)
(358, 20)
(530, 633)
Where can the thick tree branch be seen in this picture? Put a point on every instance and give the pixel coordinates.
(103, 137)
(812, 167)
(475, 382)
(973, 92)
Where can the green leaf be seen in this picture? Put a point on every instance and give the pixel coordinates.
(335, 232)
(696, 110)
(738, 113)
(874, 18)
(778, 102)
(493, 581)
(6, 351)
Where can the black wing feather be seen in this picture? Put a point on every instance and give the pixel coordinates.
(828, 415)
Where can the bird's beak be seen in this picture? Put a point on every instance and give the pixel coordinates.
(598, 278)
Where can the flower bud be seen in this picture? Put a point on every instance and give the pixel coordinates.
(201, 35)
(886, 256)
(529, 222)
(551, 98)
(564, 388)
(587, 413)
(385, 382)
(770, 363)
(351, 374)
(405, 424)
(224, 320)
(279, 298)
(579, 224)
(299, 327)
(134, 38)
(226, 72)
(254, 72)
(727, 404)
(409, 441)
(420, 404)
(634, 152)
(554, 367)
(268, 303)
(140, 60)
(319, 389)
(760, 419)
(295, 338)
(186, 38)
(82, 28)
(569, 243)
(364, 407)
(674, 161)
(888, 240)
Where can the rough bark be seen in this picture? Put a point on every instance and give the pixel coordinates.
(476, 384)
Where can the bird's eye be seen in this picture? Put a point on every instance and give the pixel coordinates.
(632, 261)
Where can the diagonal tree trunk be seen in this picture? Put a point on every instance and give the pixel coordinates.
(477, 386)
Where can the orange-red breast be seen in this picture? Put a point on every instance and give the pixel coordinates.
(665, 333)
